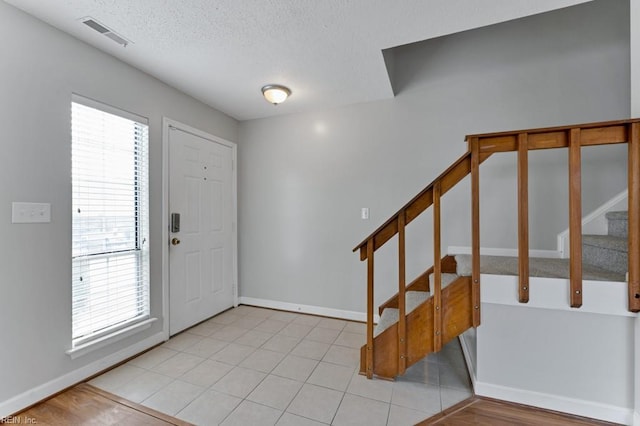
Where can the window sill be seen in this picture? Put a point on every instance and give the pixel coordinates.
(101, 342)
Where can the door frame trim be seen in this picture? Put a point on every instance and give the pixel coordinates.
(167, 124)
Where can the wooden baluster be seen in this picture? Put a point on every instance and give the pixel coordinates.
(523, 217)
(575, 218)
(437, 270)
(475, 229)
(634, 217)
(369, 356)
(402, 320)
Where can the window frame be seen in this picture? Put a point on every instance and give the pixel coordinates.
(140, 247)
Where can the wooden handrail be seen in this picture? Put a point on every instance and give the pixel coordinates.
(448, 179)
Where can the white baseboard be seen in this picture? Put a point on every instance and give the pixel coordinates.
(37, 394)
(466, 351)
(307, 309)
(490, 251)
(579, 407)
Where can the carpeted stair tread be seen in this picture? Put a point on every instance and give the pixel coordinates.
(391, 315)
(446, 279)
(538, 267)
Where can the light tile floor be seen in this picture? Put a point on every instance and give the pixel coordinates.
(254, 366)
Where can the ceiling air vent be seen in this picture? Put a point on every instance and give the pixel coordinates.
(95, 25)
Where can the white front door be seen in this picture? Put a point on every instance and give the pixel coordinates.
(201, 278)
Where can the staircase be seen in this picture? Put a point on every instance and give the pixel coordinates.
(609, 251)
(439, 305)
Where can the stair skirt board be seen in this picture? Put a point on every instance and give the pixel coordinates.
(457, 317)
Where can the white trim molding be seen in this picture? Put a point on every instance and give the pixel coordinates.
(167, 124)
(491, 251)
(595, 222)
(466, 351)
(605, 297)
(579, 407)
(307, 309)
(96, 344)
(37, 394)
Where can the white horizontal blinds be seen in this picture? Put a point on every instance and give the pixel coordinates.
(110, 221)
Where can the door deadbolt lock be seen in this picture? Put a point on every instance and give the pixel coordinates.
(175, 241)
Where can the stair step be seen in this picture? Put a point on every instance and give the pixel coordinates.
(391, 315)
(538, 267)
(606, 251)
(618, 224)
(446, 279)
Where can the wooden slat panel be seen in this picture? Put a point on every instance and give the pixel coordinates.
(475, 229)
(604, 135)
(575, 219)
(547, 140)
(402, 329)
(370, 357)
(385, 347)
(457, 308)
(634, 218)
(420, 205)
(504, 143)
(437, 271)
(523, 218)
(455, 175)
(419, 336)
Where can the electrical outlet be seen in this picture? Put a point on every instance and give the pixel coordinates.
(30, 212)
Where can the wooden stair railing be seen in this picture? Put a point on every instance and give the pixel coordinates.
(430, 196)
(573, 137)
(399, 351)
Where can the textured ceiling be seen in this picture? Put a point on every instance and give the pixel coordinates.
(329, 52)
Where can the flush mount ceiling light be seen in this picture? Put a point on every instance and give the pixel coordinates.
(275, 93)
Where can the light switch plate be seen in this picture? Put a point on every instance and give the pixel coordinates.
(364, 213)
(30, 212)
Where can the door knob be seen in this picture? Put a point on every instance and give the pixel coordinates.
(175, 241)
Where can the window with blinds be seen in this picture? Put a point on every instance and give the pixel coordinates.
(110, 249)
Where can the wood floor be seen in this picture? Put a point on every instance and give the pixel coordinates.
(484, 411)
(85, 404)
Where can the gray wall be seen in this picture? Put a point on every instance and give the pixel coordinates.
(303, 178)
(39, 69)
(531, 354)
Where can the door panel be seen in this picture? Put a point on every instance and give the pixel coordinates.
(201, 265)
